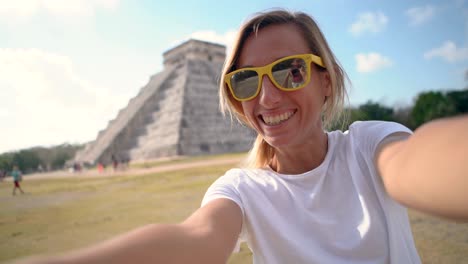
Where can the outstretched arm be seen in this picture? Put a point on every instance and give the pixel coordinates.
(428, 171)
(207, 236)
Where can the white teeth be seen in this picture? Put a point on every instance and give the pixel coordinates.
(275, 120)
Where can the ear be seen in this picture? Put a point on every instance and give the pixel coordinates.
(326, 83)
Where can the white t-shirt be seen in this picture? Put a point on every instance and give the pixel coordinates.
(336, 213)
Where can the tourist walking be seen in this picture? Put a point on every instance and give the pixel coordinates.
(17, 178)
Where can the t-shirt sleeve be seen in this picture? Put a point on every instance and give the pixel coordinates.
(369, 135)
(227, 187)
(372, 133)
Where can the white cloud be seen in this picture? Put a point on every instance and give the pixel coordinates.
(419, 15)
(448, 52)
(373, 22)
(371, 62)
(19, 10)
(46, 102)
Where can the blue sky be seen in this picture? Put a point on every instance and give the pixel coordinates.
(67, 67)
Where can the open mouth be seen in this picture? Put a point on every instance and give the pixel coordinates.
(273, 120)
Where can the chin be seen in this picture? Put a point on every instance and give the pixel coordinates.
(278, 142)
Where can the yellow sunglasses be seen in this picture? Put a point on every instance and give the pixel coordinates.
(288, 74)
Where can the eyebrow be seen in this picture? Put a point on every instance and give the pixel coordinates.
(251, 66)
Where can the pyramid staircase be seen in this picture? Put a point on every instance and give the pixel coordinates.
(176, 113)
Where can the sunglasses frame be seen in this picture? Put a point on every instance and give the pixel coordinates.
(267, 70)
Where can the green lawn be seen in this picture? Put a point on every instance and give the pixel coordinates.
(57, 215)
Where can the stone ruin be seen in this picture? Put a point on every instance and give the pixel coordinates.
(175, 114)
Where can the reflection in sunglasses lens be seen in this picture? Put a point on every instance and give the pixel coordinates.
(245, 83)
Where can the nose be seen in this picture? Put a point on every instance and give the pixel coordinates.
(269, 94)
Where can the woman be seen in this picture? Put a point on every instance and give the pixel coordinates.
(307, 196)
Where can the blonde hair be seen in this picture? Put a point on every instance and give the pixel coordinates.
(261, 153)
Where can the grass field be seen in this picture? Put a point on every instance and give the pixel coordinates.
(57, 215)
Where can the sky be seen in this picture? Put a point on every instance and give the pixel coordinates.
(68, 67)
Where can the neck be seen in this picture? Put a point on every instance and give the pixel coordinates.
(303, 158)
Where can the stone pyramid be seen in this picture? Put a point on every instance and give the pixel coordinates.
(175, 114)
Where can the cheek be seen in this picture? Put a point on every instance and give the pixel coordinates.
(309, 99)
(246, 107)
(248, 110)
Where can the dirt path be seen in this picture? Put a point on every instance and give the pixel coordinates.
(135, 171)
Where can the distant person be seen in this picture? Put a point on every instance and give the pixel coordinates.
(125, 163)
(76, 167)
(40, 169)
(2, 174)
(17, 178)
(307, 195)
(115, 162)
(100, 167)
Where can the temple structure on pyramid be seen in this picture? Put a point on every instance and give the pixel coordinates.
(175, 114)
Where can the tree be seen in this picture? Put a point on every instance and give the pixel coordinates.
(26, 160)
(375, 111)
(402, 115)
(459, 100)
(6, 161)
(429, 106)
(367, 111)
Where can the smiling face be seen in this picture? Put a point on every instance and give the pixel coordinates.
(283, 119)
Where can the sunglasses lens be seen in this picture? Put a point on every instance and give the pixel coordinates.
(290, 73)
(244, 84)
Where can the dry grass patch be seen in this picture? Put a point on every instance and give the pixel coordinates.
(62, 214)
